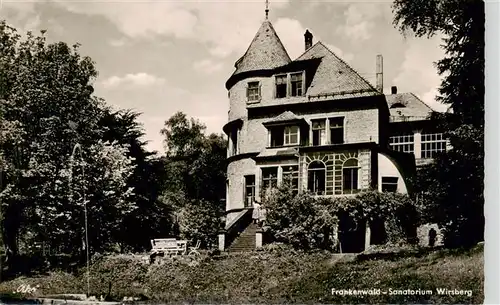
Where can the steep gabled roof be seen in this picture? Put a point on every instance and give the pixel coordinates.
(407, 106)
(334, 76)
(277, 152)
(265, 52)
(285, 117)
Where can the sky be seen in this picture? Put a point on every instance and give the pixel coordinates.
(159, 57)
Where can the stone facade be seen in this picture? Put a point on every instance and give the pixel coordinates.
(328, 89)
(361, 125)
(236, 172)
(238, 103)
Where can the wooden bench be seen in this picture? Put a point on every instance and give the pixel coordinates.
(168, 246)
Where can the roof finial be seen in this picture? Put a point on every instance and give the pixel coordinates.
(267, 9)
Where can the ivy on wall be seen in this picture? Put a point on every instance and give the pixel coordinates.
(309, 222)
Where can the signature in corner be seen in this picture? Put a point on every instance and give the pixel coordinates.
(26, 289)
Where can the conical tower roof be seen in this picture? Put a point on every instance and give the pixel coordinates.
(265, 52)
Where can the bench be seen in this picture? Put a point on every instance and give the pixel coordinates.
(169, 246)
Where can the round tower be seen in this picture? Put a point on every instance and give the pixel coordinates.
(250, 84)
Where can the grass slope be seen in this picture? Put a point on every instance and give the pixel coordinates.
(275, 277)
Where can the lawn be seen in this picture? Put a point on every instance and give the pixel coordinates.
(277, 277)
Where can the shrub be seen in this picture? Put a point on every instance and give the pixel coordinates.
(115, 276)
(307, 222)
(397, 211)
(200, 220)
(277, 247)
(300, 220)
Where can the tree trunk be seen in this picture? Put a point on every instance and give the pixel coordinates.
(10, 246)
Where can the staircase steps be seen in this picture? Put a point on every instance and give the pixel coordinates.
(245, 241)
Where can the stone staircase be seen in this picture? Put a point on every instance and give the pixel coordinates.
(245, 241)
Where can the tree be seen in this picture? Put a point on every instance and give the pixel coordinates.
(453, 185)
(47, 103)
(195, 176)
(195, 162)
(184, 138)
(461, 22)
(101, 185)
(45, 91)
(151, 217)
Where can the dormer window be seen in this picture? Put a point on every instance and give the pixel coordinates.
(281, 86)
(296, 84)
(291, 135)
(253, 92)
(291, 84)
(284, 135)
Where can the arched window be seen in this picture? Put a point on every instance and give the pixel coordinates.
(316, 177)
(350, 176)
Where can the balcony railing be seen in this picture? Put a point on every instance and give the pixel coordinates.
(402, 118)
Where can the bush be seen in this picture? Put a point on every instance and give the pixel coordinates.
(275, 277)
(307, 222)
(300, 220)
(200, 220)
(398, 213)
(115, 276)
(277, 247)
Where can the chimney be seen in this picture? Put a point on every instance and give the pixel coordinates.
(380, 74)
(394, 90)
(308, 38)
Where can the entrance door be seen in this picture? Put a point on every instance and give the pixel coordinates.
(351, 235)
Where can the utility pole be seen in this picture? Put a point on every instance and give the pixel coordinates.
(72, 159)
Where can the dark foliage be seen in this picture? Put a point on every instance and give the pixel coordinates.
(306, 222)
(195, 169)
(451, 189)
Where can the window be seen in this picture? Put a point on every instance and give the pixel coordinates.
(336, 130)
(402, 143)
(291, 135)
(389, 184)
(227, 192)
(276, 134)
(281, 86)
(291, 176)
(234, 142)
(350, 176)
(269, 177)
(283, 135)
(296, 84)
(316, 177)
(318, 132)
(253, 91)
(432, 143)
(249, 190)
